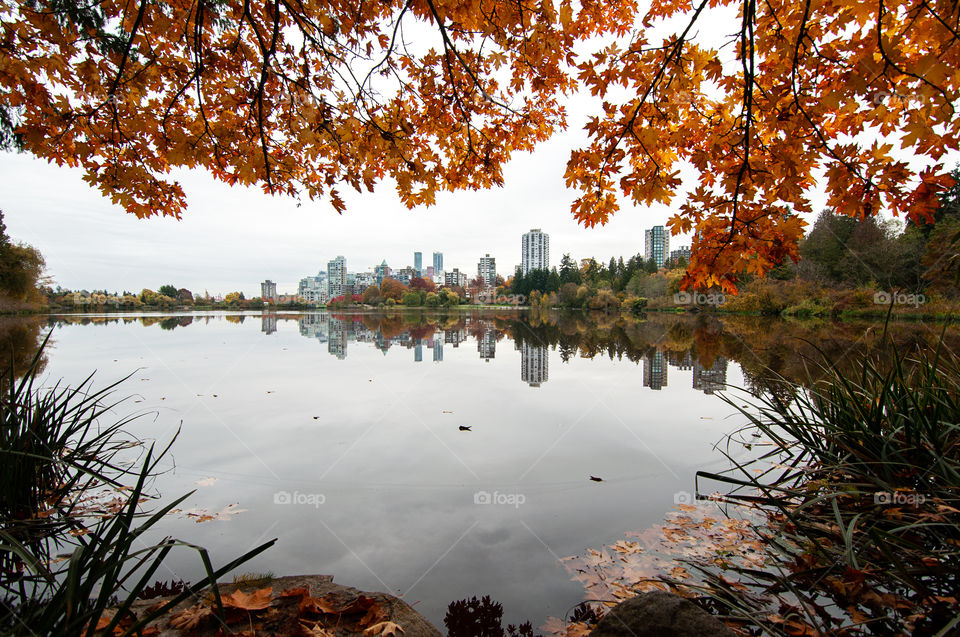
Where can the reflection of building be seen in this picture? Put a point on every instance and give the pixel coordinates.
(337, 277)
(487, 345)
(268, 290)
(315, 326)
(679, 360)
(337, 345)
(487, 268)
(535, 253)
(438, 349)
(534, 364)
(268, 323)
(657, 245)
(710, 379)
(418, 352)
(654, 370)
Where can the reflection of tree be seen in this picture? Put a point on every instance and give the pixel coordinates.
(20, 339)
(481, 618)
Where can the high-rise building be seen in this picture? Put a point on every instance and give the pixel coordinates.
(418, 262)
(535, 251)
(437, 262)
(487, 268)
(656, 245)
(337, 277)
(268, 290)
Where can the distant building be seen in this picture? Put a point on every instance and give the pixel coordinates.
(418, 262)
(437, 262)
(680, 252)
(430, 272)
(405, 274)
(363, 280)
(656, 245)
(455, 278)
(487, 268)
(337, 277)
(381, 272)
(313, 289)
(534, 364)
(535, 253)
(268, 290)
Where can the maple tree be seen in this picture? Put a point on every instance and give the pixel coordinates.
(301, 97)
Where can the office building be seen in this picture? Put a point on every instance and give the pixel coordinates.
(437, 262)
(381, 271)
(656, 245)
(418, 262)
(535, 253)
(680, 252)
(455, 278)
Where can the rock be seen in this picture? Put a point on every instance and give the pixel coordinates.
(398, 611)
(659, 614)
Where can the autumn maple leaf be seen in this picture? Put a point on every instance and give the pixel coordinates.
(257, 600)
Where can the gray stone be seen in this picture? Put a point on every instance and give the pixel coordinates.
(659, 614)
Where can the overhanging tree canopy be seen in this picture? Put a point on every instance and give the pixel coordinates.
(300, 96)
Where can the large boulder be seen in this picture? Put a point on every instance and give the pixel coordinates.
(659, 614)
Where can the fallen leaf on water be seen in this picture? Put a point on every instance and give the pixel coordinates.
(190, 618)
(257, 600)
(386, 629)
(206, 482)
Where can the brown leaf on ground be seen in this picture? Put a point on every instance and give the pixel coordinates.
(190, 618)
(257, 600)
(315, 630)
(384, 629)
(336, 604)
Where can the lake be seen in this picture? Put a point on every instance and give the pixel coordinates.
(435, 456)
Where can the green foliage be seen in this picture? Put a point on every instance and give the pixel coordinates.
(411, 299)
(168, 290)
(21, 268)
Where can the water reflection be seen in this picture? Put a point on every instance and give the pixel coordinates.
(765, 348)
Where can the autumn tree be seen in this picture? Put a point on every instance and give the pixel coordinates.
(21, 268)
(421, 284)
(371, 295)
(390, 288)
(303, 98)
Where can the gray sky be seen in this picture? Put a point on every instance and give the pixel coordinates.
(232, 238)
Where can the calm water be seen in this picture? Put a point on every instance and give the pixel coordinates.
(341, 435)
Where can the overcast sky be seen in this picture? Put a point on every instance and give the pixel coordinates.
(232, 238)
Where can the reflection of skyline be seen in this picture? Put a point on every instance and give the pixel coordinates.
(337, 331)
